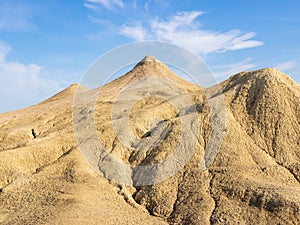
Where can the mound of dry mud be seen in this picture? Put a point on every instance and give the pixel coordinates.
(254, 178)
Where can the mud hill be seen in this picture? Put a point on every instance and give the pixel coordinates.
(254, 178)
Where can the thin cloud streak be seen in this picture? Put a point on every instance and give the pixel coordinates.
(183, 29)
(107, 4)
(286, 66)
(224, 71)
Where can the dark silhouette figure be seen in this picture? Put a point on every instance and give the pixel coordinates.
(33, 133)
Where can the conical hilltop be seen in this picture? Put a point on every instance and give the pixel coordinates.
(148, 68)
(253, 179)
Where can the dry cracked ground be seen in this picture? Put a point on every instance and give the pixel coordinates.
(253, 177)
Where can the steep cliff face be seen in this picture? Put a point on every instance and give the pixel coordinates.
(143, 119)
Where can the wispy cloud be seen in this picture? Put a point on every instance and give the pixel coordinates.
(108, 28)
(22, 84)
(107, 4)
(138, 32)
(146, 5)
(16, 17)
(91, 6)
(223, 71)
(184, 30)
(286, 66)
(103, 22)
(94, 37)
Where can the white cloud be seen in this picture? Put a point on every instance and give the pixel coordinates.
(22, 85)
(4, 50)
(183, 29)
(146, 5)
(107, 4)
(15, 17)
(107, 28)
(290, 67)
(224, 71)
(90, 6)
(94, 37)
(286, 66)
(138, 32)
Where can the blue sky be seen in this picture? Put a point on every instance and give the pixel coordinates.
(47, 45)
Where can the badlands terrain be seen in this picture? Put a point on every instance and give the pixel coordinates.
(249, 175)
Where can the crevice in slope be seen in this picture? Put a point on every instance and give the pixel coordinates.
(280, 164)
(276, 131)
(211, 219)
(290, 170)
(39, 169)
(129, 199)
(176, 202)
(103, 157)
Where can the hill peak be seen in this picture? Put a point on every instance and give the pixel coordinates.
(150, 66)
(150, 61)
(149, 58)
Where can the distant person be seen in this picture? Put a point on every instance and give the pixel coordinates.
(33, 133)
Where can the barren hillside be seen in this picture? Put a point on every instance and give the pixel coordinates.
(254, 178)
